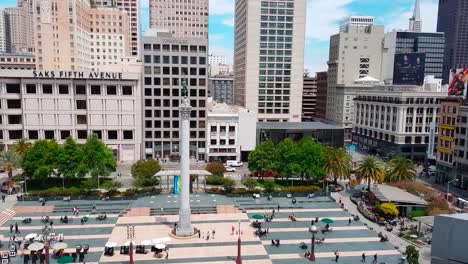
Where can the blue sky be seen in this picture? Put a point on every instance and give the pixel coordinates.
(323, 17)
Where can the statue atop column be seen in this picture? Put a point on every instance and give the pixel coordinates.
(184, 88)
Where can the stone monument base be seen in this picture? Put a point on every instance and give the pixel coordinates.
(175, 234)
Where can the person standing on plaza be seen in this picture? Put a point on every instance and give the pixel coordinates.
(207, 235)
(363, 257)
(16, 229)
(11, 228)
(278, 207)
(349, 221)
(199, 233)
(337, 255)
(375, 259)
(233, 229)
(3, 198)
(213, 232)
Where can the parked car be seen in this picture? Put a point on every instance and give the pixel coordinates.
(234, 163)
(229, 169)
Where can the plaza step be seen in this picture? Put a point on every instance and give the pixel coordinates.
(175, 210)
(6, 215)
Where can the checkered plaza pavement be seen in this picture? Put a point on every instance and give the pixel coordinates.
(153, 217)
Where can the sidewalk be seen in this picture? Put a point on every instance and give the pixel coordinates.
(394, 239)
(10, 201)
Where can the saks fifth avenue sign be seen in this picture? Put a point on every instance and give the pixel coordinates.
(78, 75)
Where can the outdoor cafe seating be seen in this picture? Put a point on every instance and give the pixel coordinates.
(257, 224)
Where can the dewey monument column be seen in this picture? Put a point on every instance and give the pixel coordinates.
(184, 228)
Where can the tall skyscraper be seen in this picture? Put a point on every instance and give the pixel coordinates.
(188, 19)
(5, 35)
(309, 98)
(355, 53)
(133, 8)
(97, 35)
(415, 22)
(452, 21)
(21, 29)
(322, 86)
(269, 58)
(167, 62)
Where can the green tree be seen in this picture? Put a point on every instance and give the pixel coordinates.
(412, 255)
(249, 183)
(143, 173)
(337, 163)
(98, 158)
(21, 146)
(215, 168)
(399, 169)
(265, 158)
(70, 160)
(40, 161)
(370, 169)
(269, 185)
(311, 159)
(10, 161)
(228, 185)
(288, 153)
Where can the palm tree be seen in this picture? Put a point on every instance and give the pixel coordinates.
(21, 146)
(10, 161)
(337, 163)
(370, 169)
(400, 168)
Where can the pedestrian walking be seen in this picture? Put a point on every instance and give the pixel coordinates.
(199, 233)
(375, 259)
(16, 229)
(233, 229)
(82, 221)
(3, 198)
(349, 221)
(213, 232)
(273, 212)
(167, 253)
(278, 207)
(51, 224)
(337, 255)
(207, 235)
(264, 214)
(11, 228)
(363, 257)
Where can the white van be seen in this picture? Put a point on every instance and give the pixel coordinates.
(234, 163)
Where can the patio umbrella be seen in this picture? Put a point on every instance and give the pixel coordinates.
(146, 242)
(160, 246)
(66, 259)
(111, 244)
(327, 221)
(30, 236)
(257, 217)
(36, 246)
(59, 246)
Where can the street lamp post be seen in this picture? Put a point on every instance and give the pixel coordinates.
(239, 258)
(448, 187)
(130, 237)
(313, 229)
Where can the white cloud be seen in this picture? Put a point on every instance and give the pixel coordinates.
(229, 22)
(400, 20)
(144, 3)
(324, 16)
(221, 7)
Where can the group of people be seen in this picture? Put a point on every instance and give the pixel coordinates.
(206, 235)
(363, 258)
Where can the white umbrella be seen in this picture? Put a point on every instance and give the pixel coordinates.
(111, 244)
(146, 242)
(59, 246)
(30, 236)
(128, 243)
(36, 246)
(160, 246)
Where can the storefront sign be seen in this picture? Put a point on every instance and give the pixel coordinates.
(78, 75)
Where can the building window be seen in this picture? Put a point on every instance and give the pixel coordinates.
(81, 119)
(47, 88)
(98, 133)
(128, 134)
(80, 89)
(95, 89)
(13, 88)
(111, 90)
(49, 134)
(82, 134)
(81, 104)
(14, 104)
(31, 88)
(63, 89)
(64, 134)
(15, 134)
(127, 90)
(14, 119)
(112, 134)
(33, 134)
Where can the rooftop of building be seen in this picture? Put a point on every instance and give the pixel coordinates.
(295, 126)
(455, 216)
(223, 108)
(386, 193)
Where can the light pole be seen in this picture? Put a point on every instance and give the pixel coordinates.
(239, 258)
(312, 229)
(130, 236)
(448, 187)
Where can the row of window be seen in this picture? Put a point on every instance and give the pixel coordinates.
(175, 81)
(276, 39)
(171, 113)
(64, 134)
(173, 48)
(64, 89)
(223, 142)
(264, 18)
(276, 25)
(175, 92)
(278, 4)
(175, 59)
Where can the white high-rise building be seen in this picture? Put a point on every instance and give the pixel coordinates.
(355, 53)
(214, 59)
(415, 22)
(362, 21)
(183, 20)
(269, 58)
